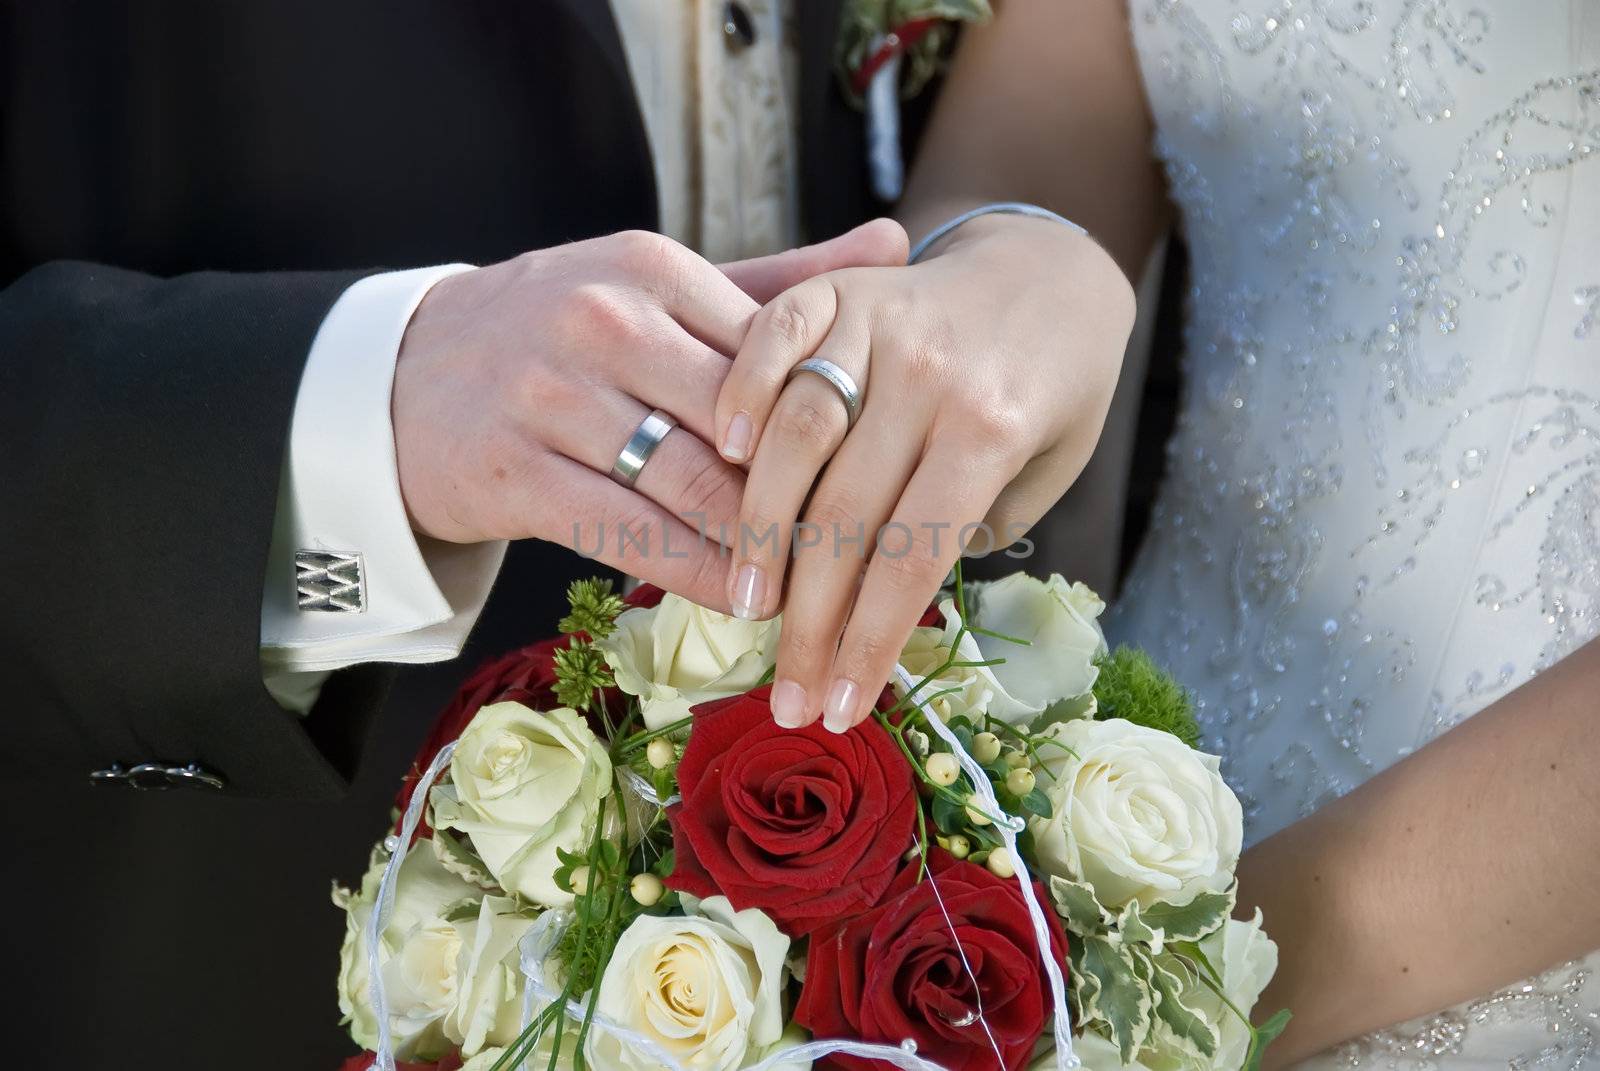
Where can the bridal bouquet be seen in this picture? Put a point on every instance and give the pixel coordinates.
(608, 856)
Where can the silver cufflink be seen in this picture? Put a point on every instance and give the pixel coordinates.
(328, 582)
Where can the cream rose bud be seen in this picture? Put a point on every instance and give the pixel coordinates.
(1247, 959)
(418, 955)
(1096, 1053)
(706, 986)
(522, 784)
(1136, 814)
(1064, 639)
(963, 688)
(677, 654)
(488, 1005)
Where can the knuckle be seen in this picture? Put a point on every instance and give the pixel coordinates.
(833, 515)
(760, 536)
(808, 428)
(898, 311)
(910, 567)
(707, 576)
(649, 254)
(787, 321)
(595, 309)
(921, 361)
(871, 648)
(802, 646)
(713, 492)
(995, 419)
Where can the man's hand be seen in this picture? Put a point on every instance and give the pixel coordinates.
(518, 384)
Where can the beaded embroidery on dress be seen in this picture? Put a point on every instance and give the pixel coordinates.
(1382, 503)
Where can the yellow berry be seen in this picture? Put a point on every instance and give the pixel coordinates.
(1020, 782)
(985, 748)
(661, 753)
(958, 846)
(943, 769)
(999, 864)
(646, 889)
(976, 817)
(1016, 759)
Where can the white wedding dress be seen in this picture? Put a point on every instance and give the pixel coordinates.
(1382, 503)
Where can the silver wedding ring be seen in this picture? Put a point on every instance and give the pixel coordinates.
(641, 444)
(839, 380)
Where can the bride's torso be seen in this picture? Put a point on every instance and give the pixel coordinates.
(1382, 503)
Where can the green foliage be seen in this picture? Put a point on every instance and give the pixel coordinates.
(1112, 991)
(1262, 1036)
(594, 608)
(1132, 687)
(1077, 904)
(1189, 1029)
(1162, 922)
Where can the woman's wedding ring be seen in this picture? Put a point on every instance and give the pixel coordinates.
(839, 380)
(641, 444)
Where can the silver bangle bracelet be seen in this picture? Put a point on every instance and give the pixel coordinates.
(1005, 208)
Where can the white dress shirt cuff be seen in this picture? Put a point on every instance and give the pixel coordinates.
(341, 493)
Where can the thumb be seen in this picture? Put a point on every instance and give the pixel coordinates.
(878, 243)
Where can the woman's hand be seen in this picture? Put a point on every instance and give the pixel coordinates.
(985, 370)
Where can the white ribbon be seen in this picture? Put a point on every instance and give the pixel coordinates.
(1008, 826)
(384, 1059)
(882, 102)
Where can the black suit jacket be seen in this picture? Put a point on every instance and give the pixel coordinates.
(185, 188)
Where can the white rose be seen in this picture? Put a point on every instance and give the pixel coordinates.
(677, 654)
(1136, 814)
(522, 784)
(488, 1005)
(418, 955)
(706, 986)
(1247, 959)
(1064, 639)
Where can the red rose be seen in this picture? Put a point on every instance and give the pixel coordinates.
(367, 1060)
(526, 676)
(896, 972)
(805, 824)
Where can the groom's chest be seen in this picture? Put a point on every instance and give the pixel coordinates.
(173, 136)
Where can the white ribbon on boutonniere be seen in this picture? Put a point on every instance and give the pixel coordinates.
(888, 51)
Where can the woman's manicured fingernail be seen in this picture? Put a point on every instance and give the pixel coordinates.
(788, 701)
(841, 704)
(749, 593)
(736, 443)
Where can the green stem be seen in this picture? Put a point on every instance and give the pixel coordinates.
(633, 743)
(980, 630)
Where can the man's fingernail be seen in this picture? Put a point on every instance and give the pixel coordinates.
(788, 701)
(749, 594)
(841, 704)
(736, 443)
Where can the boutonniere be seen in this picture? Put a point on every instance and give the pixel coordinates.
(888, 51)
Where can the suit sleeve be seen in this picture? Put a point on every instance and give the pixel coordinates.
(143, 424)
